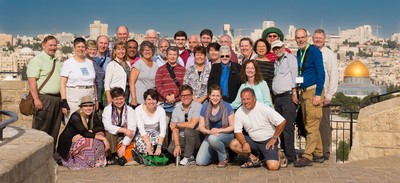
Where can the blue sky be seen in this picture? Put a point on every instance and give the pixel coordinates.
(27, 17)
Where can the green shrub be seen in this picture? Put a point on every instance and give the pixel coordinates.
(342, 152)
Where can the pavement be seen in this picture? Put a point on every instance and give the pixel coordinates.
(383, 169)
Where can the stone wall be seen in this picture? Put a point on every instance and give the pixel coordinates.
(26, 155)
(10, 96)
(378, 131)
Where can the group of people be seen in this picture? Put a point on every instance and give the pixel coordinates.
(203, 104)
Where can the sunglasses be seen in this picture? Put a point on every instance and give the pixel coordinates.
(186, 117)
(272, 36)
(224, 56)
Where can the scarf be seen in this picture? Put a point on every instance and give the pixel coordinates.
(222, 115)
(117, 119)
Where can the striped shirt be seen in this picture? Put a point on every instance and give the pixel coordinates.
(164, 83)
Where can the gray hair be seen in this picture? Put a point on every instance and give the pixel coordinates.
(163, 40)
(173, 48)
(150, 31)
(226, 35)
(224, 49)
(320, 31)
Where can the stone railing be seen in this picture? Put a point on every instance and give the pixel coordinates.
(10, 96)
(378, 131)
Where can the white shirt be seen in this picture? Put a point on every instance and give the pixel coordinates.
(115, 76)
(113, 129)
(259, 122)
(78, 73)
(331, 72)
(156, 122)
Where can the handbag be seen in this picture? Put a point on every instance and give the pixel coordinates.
(27, 104)
(153, 160)
(128, 158)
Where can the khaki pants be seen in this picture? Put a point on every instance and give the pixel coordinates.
(312, 117)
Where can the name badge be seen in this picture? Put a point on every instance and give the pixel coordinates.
(299, 80)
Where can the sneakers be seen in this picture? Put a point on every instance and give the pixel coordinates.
(188, 161)
(302, 162)
(318, 159)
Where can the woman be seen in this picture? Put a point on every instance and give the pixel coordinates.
(143, 73)
(169, 78)
(117, 72)
(91, 52)
(250, 73)
(216, 122)
(197, 75)
(82, 144)
(151, 124)
(77, 79)
(213, 53)
(226, 74)
(246, 49)
(119, 122)
(267, 68)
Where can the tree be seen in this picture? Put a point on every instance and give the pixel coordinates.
(66, 49)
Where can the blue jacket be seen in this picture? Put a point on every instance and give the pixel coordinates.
(314, 69)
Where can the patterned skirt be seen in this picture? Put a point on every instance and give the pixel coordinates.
(141, 145)
(86, 153)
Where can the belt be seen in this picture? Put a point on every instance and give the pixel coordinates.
(54, 95)
(284, 94)
(81, 87)
(309, 88)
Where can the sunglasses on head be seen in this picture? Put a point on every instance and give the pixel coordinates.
(224, 56)
(186, 117)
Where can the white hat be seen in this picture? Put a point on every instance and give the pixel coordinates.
(277, 43)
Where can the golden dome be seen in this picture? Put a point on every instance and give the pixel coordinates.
(356, 69)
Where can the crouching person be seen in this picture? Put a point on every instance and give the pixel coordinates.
(82, 144)
(263, 125)
(184, 127)
(120, 124)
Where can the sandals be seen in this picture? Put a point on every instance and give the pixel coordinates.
(223, 164)
(251, 163)
(283, 162)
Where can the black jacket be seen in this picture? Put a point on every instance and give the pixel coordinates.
(73, 128)
(234, 80)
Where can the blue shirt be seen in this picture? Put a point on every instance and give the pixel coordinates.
(217, 124)
(223, 82)
(313, 72)
(101, 60)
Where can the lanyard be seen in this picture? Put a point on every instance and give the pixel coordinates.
(302, 54)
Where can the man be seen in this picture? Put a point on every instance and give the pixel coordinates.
(180, 39)
(132, 51)
(330, 86)
(226, 40)
(47, 101)
(284, 88)
(184, 127)
(263, 126)
(272, 34)
(101, 58)
(122, 33)
(206, 36)
(161, 58)
(311, 79)
(193, 42)
(151, 35)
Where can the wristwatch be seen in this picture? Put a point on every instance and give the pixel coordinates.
(274, 137)
(176, 126)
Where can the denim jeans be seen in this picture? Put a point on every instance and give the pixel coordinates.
(214, 147)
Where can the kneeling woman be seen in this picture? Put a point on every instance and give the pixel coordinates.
(151, 124)
(216, 122)
(82, 144)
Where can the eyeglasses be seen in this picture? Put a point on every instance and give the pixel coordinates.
(224, 56)
(273, 36)
(277, 48)
(186, 117)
